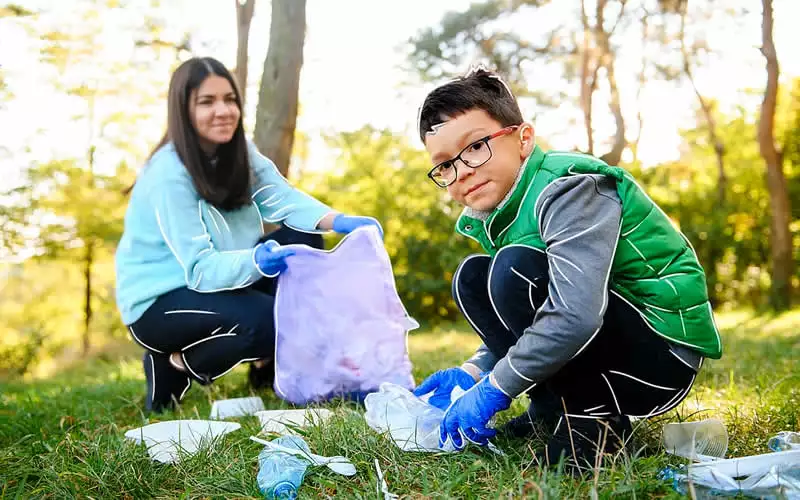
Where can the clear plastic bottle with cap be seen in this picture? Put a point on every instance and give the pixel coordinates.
(784, 441)
(279, 473)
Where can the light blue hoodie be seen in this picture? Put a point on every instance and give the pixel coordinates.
(173, 238)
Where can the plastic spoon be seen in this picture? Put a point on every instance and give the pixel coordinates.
(338, 464)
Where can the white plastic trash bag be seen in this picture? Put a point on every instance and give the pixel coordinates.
(341, 328)
(167, 441)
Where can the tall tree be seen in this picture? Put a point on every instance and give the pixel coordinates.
(606, 58)
(641, 82)
(276, 114)
(69, 210)
(780, 234)
(682, 31)
(244, 16)
(473, 35)
(687, 64)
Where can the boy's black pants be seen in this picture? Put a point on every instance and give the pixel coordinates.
(625, 369)
(214, 332)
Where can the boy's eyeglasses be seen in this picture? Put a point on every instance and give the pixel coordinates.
(473, 156)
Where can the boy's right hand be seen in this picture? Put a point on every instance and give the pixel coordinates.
(442, 383)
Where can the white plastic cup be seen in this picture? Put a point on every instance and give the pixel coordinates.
(703, 440)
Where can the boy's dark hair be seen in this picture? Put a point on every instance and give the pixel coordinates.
(478, 89)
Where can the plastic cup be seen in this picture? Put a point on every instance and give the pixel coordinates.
(703, 440)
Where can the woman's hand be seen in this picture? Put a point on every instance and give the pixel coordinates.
(270, 258)
(346, 224)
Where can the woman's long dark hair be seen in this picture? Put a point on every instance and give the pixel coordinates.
(226, 184)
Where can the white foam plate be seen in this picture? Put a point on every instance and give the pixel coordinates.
(167, 441)
(236, 407)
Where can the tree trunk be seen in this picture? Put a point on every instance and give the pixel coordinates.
(708, 115)
(588, 79)
(87, 299)
(244, 14)
(780, 235)
(88, 259)
(613, 157)
(716, 249)
(641, 80)
(607, 58)
(276, 115)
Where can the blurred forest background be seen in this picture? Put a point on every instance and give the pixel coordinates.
(598, 76)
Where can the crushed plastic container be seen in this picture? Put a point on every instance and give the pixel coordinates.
(785, 440)
(766, 476)
(280, 474)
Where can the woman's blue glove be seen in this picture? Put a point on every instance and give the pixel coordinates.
(270, 258)
(467, 417)
(442, 384)
(345, 224)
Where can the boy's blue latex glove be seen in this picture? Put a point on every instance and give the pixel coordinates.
(442, 384)
(345, 224)
(270, 258)
(467, 417)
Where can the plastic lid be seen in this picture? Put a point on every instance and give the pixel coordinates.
(286, 490)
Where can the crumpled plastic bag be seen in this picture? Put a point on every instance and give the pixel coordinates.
(776, 482)
(412, 423)
(341, 326)
(769, 476)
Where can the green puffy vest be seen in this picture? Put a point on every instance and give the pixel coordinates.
(655, 268)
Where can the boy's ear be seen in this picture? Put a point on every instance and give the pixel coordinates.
(527, 137)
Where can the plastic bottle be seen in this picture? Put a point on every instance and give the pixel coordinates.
(280, 474)
(784, 440)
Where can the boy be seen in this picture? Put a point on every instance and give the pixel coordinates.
(589, 300)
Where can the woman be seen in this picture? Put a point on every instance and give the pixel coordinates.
(191, 267)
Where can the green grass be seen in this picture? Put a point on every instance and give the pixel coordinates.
(62, 437)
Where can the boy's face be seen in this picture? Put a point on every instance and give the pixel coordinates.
(484, 187)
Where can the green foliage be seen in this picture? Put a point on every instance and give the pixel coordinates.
(14, 10)
(70, 206)
(68, 212)
(440, 52)
(381, 175)
(731, 239)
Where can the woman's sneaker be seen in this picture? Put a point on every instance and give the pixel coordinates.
(263, 376)
(165, 384)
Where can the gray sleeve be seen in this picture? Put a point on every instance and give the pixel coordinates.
(483, 359)
(579, 220)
